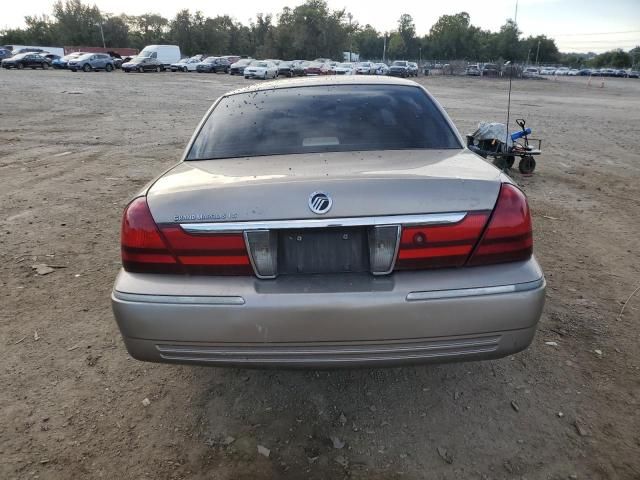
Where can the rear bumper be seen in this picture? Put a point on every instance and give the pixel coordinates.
(408, 317)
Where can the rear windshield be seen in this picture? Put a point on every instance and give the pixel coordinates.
(314, 119)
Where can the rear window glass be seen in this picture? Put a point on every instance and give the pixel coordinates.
(322, 119)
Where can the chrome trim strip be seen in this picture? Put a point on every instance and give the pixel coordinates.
(474, 292)
(179, 299)
(420, 219)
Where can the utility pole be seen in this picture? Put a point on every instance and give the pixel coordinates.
(537, 52)
(104, 45)
(350, 36)
(384, 47)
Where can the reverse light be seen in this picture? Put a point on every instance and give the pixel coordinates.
(263, 248)
(383, 241)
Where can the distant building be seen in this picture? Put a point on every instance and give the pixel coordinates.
(355, 57)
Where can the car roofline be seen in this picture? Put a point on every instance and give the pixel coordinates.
(322, 81)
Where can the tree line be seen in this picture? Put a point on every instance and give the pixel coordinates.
(310, 30)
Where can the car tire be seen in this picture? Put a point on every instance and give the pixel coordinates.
(20, 66)
(158, 69)
(86, 67)
(246, 78)
(185, 69)
(108, 67)
(45, 66)
(140, 70)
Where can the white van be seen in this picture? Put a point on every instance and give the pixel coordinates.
(167, 54)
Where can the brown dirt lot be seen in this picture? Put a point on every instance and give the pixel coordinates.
(76, 146)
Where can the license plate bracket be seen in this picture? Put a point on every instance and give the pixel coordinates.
(323, 250)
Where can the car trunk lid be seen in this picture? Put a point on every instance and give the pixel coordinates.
(359, 184)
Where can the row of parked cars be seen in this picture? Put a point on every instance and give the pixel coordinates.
(74, 61)
(491, 69)
(586, 72)
(272, 68)
(152, 60)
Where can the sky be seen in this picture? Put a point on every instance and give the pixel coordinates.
(576, 25)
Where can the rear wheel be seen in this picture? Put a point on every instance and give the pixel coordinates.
(501, 163)
(109, 67)
(45, 65)
(20, 66)
(527, 165)
(86, 67)
(185, 69)
(140, 69)
(157, 69)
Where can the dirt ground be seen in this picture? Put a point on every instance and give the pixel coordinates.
(76, 146)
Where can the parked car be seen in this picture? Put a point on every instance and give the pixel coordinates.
(621, 73)
(634, 74)
(472, 71)
(238, 67)
(26, 60)
(548, 71)
(584, 72)
(50, 57)
(186, 64)
(91, 62)
(213, 65)
(261, 69)
(345, 69)
(365, 68)
(313, 68)
(27, 50)
(165, 54)
(5, 53)
(293, 265)
(489, 70)
(530, 72)
(381, 68)
(297, 68)
(413, 69)
(329, 68)
(285, 69)
(562, 71)
(16, 49)
(63, 62)
(399, 68)
(231, 58)
(143, 64)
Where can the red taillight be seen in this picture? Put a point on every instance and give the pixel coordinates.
(146, 248)
(508, 237)
(143, 248)
(220, 254)
(438, 246)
